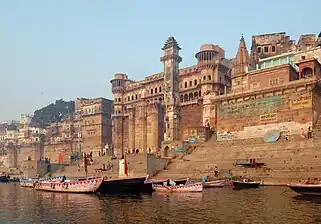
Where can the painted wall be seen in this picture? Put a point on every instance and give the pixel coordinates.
(253, 118)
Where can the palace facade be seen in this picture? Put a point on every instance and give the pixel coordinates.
(274, 86)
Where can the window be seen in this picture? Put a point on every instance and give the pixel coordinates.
(209, 77)
(190, 83)
(259, 49)
(160, 89)
(195, 82)
(128, 98)
(136, 97)
(273, 48)
(155, 90)
(132, 97)
(266, 49)
(204, 77)
(185, 84)
(302, 57)
(151, 91)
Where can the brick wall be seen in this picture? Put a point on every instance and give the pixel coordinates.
(190, 116)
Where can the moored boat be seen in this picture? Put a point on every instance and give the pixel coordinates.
(193, 187)
(243, 184)
(214, 184)
(76, 186)
(4, 179)
(30, 182)
(306, 189)
(148, 184)
(122, 185)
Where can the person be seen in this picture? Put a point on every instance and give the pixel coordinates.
(216, 172)
(204, 179)
(302, 134)
(308, 181)
(309, 132)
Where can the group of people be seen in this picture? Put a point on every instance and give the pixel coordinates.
(302, 133)
(314, 181)
(216, 175)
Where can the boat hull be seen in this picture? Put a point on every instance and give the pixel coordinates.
(4, 179)
(197, 187)
(244, 185)
(214, 184)
(82, 186)
(30, 182)
(123, 185)
(310, 190)
(148, 185)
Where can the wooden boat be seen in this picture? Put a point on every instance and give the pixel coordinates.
(214, 184)
(122, 185)
(148, 184)
(243, 184)
(30, 182)
(4, 178)
(306, 189)
(194, 187)
(76, 186)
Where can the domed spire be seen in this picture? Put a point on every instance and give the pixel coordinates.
(171, 42)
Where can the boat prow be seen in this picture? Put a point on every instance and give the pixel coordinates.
(306, 189)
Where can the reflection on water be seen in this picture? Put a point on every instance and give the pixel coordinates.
(261, 205)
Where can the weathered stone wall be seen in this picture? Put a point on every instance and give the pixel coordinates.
(190, 118)
(253, 118)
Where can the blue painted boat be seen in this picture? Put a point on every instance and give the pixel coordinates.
(4, 179)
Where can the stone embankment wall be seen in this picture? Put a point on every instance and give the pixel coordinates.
(287, 112)
(285, 161)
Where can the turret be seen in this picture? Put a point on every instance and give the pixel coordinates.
(118, 88)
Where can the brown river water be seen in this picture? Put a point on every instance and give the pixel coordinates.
(224, 205)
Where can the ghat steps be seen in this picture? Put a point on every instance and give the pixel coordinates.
(286, 161)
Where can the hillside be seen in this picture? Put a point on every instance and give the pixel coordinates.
(54, 112)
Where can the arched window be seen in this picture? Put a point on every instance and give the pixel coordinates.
(136, 97)
(128, 98)
(195, 82)
(155, 90)
(116, 100)
(185, 84)
(119, 100)
(196, 95)
(160, 89)
(307, 73)
(209, 77)
(190, 97)
(181, 98)
(204, 78)
(190, 83)
(185, 98)
(151, 91)
(132, 97)
(199, 94)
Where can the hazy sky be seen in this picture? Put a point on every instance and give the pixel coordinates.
(71, 48)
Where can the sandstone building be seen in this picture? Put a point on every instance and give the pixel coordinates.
(274, 86)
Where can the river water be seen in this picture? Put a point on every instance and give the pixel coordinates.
(263, 205)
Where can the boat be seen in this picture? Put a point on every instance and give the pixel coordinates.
(30, 182)
(243, 184)
(306, 189)
(214, 184)
(122, 185)
(192, 187)
(148, 184)
(4, 178)
(74, 186)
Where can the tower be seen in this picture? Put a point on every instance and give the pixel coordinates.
(171, 60)
(118, 88)
(240, 67)
(242, 60)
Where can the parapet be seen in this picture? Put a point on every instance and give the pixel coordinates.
(120, 76)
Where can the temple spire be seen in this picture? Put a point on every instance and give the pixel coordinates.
(242, 60)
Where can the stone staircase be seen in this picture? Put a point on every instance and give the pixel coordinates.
(286, 161)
